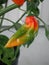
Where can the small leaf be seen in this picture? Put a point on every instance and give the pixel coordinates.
(36, 2)
(17, 26)
(3, 1)
(30, 42)
(33, 6)
(41, 0)
(1, 7)
(3, 40)
(6, 54)
(35, 11)
(47, 31)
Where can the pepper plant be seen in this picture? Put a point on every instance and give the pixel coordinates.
(25, 34)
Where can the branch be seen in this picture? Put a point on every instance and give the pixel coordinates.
(13, 24)
(7, 20)
(3, 15)
(7, 9)
(41, 20)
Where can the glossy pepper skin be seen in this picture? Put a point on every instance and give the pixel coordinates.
(25, 34)
(30, 19)
(19, 2)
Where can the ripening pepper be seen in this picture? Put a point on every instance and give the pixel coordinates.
(30, 19)
(19, 2)
(25, 34)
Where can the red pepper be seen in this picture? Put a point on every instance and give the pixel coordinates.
(31, 20)
(19, 2)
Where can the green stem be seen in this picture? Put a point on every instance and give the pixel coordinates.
(11, 31)
(21, 17)
(34, 15)
(8, 20)
(22, 9)
(13, 24)
(7, 9)
(16, 53)
(41, 20)
(1, 21)
(3, 15)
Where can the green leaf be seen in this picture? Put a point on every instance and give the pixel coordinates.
(3, 1)
(33, 6)
(1, 7)
(3, 39)
(36, 2)
(6, 54)
(47, 31)
(17, 26)
(41, 0)
(35, 11)
(1, 51)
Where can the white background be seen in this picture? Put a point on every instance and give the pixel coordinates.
(16, 13)
(38, 52)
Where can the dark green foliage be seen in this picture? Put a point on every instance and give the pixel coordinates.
(7, 55)
(47, 31)
(1, 7)
(33, 6)
(41, 0)
(3, 1)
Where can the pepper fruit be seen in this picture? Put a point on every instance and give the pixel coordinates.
(30, 19)
(19, 2)
(25, 34)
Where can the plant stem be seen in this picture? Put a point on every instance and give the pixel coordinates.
(41, 20)
(21, 17)
(13, 24)
(35, 15)
(8, 20)
(16, 53)
(7, 9)
(21, 9)
(3, 15)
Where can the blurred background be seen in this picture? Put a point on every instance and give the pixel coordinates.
(38, 52)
